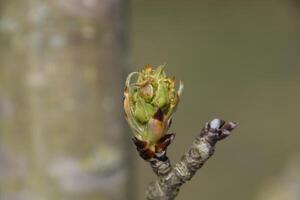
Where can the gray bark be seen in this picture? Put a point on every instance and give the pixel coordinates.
(62, 67)
(169, 181)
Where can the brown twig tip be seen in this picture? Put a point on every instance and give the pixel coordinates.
(218, 129)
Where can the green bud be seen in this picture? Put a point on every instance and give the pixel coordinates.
(147, 92)
(150, 102)
(143, 111)
(161, 96)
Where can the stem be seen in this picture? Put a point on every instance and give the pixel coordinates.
(169, 181)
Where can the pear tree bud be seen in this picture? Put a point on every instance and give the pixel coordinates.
(149, 103)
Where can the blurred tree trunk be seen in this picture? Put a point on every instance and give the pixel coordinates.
(62, 65)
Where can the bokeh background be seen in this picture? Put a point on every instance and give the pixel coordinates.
(239, 60)
(62, 68)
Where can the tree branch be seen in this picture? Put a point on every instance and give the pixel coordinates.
(171, 179)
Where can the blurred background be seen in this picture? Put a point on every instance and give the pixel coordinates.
(62, 68)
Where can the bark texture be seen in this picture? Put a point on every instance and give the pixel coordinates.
(171, 179)
(62, 67)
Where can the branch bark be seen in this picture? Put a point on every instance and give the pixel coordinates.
(62, 132)
(170, 179)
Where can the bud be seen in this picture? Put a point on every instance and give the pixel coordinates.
(149, 103)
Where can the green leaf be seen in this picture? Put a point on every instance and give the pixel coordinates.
(143, 110)
(162, 95)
